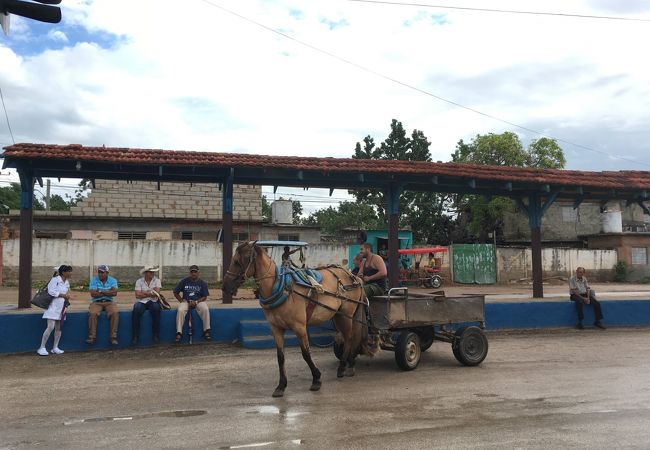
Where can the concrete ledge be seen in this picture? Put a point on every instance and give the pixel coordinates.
(22, 332)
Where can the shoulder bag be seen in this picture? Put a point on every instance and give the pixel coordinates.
(42, 298)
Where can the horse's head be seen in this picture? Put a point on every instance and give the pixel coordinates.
(242, 266)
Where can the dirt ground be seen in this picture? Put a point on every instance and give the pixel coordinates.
(553, 289)
(539, 390)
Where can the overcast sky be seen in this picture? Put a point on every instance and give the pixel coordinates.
(189, 75)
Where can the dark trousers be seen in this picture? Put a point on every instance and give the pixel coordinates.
(138, 310)
(580, 301)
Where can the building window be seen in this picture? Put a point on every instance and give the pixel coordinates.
(288, 237)
(186, 235)
(569, 214)
(240, 236)
(131, 235)
(639, 256)
(51, 234)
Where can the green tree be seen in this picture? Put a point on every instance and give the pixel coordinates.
(485, 215)
(58, 203)
(10, 198)
(348, 215)
(426, 213)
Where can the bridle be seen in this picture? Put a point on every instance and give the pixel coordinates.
(240, 276)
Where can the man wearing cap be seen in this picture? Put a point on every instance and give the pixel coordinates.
(195, 293)
(103, 288)
(145, 289)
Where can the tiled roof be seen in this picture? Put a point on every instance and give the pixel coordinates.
(607, 180)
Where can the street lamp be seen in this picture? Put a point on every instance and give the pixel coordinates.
(38, 10)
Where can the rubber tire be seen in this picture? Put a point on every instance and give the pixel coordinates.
(338, 350)
(470, 346)
(435, 281)
(408, 351)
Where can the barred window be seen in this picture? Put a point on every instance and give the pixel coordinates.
(186, 235)
(131, 235)
(288, 237)
(639, 256)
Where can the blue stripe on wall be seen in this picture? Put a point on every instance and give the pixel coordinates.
(22, 332)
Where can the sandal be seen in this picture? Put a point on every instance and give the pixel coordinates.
(178, 337)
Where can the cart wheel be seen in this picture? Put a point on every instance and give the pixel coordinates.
(407, 350)
(470, 346)
(338, 350)
(435, 281)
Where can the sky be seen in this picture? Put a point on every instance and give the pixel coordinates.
(312, 78)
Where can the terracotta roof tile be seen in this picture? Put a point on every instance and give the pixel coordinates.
(608, 179)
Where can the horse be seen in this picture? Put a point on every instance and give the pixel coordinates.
(296, 305)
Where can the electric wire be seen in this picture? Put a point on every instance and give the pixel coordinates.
(11, 133)
(417, 89)
(505, 11)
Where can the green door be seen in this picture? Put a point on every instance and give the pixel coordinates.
(474, 263)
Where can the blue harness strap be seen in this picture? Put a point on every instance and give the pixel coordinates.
(285, 277)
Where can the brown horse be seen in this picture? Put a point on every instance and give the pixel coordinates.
(341, 299)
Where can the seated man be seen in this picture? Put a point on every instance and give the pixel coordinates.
(357, 261)
(103, 289)
(582, 294)
(195, 293)
(373, 272)
(145, 294)
(286, 256)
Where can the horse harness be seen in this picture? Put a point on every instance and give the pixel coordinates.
(271, 302)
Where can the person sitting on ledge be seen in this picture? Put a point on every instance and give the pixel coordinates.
(582, 294)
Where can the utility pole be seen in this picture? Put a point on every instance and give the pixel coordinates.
(47, 195)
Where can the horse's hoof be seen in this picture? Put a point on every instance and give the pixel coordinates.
(315, 386)
(278, 393)
(340, 373)
(349, 372)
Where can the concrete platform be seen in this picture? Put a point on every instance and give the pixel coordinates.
(21, 330)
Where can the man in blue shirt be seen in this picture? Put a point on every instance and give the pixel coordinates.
(103, 289)
(195, 293)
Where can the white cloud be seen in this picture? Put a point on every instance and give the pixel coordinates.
(198, 78)
(57, 35)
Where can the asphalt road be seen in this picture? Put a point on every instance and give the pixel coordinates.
(558, 389)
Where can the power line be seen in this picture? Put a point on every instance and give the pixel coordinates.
(506, 11)
(417, 89)
(7, 117)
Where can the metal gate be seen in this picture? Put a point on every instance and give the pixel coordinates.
(474, 263)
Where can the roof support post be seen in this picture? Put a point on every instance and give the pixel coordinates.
(393, 193)
(227, 205)
(536, 210)
(26, 231)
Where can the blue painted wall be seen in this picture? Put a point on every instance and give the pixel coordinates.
(22, 332)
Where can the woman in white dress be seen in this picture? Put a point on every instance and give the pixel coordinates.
(58, 288)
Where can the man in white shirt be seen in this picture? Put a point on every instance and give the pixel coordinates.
(582, 294)
(146, 299)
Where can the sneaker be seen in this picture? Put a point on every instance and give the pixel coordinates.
(206, 335)
(178, 337)
(598, 324)
(114, 341)
(90, 340)
(41, 351)
(58, 351)
(580, 326)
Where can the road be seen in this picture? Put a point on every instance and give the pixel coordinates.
(547, 389)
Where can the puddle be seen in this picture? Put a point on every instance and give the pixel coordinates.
(264, 444)
(178, 413)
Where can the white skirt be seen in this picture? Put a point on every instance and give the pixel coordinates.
(55, 309)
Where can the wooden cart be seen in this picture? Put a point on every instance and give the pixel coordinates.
(409, 323)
